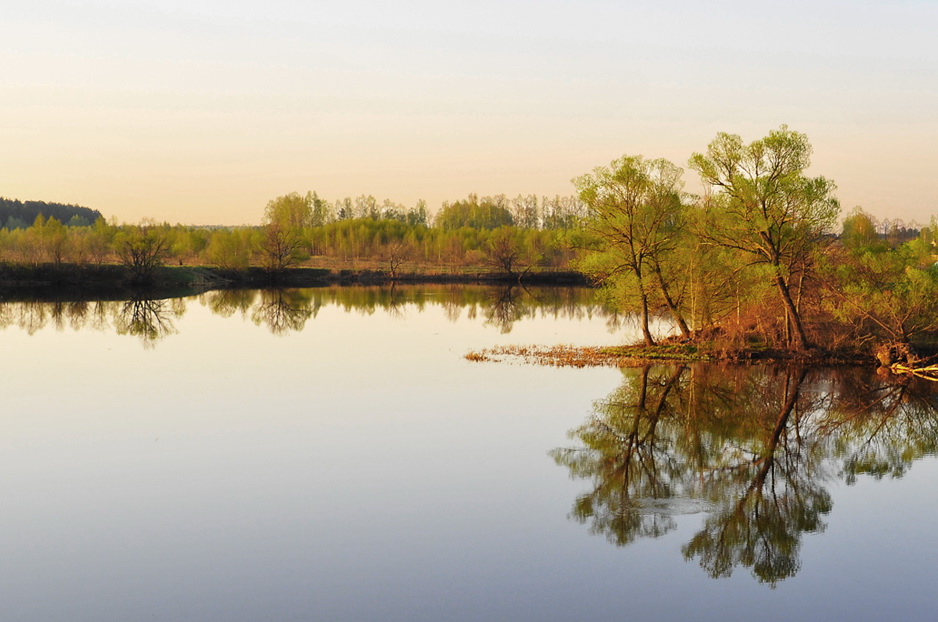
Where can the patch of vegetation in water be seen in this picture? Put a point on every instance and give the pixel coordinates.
(639, 354)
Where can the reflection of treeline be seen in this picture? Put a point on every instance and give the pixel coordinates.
(500, 306)
(286, 310)
(756, 446)
(146, 318)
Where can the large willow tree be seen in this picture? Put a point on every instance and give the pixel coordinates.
(636, 214)
(761, 202)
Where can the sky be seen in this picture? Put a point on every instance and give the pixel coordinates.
(201, 111)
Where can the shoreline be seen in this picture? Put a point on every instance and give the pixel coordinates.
(48, 281)
(69, 282)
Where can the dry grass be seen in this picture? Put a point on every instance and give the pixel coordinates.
(665, 352)
(588, 356)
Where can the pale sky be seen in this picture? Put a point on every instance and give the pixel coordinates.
(201, 111)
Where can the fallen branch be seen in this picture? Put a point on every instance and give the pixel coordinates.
(929, 372)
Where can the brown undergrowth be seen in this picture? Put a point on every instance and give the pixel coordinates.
(639, 355)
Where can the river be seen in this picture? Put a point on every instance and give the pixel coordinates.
(329, 454)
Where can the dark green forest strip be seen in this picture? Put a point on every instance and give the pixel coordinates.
(114, 281)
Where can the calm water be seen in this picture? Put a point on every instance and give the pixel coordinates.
(330, 455)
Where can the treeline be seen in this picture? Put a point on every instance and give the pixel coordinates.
(486, 212)
(15, 214)
(509, 236)
(755, 261)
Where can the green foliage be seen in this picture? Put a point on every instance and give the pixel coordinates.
(487, 213)
(761, 203)
(886, 294)
(320, 210)
(296, 228)
(859, 231)
(142, 248)
(290, 211)
(53, 240)
(15, 214)
(636, 218)
(718, 264)
(285, 220)
(230, 250)
(754, 264)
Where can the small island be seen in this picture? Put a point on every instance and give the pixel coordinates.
(752, 269)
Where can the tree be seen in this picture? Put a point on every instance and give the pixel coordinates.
(54, 240)
(636, 214)
(18, 214)
(395, 253)
(524, 211)
(284, 221)
(484, 213)
(290, 211)
(366, 206)
(229, 250)
(859, 230)
(887, 295)
(321, 212)
(417, 215)
(506, 251)
(762, 203)
(280, 247)
(99, 241)
(141, 248)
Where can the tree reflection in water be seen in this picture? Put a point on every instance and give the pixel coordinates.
(753, 445)
(630, 459)
(227, 302)
(148, 319)
(283, 310)
(505, 307)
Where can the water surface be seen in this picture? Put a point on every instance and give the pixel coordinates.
(330, 455)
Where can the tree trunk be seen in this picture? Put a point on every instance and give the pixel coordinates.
(793, 384)
(801, 341)
(675, 312)
(649, 340)
(643, 393)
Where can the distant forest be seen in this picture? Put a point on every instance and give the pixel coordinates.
(15, 214)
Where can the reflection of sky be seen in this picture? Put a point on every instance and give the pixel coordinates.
(363, 470)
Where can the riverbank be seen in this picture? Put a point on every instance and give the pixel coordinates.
(109, 281)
